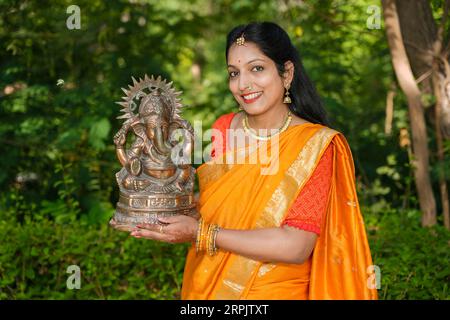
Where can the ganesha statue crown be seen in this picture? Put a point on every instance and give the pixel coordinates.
(156, 178)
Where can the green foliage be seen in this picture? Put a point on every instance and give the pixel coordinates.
(35, 255)
(33, 264)
(58, 117)
(413, 260)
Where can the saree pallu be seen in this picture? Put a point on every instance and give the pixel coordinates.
(240, 197)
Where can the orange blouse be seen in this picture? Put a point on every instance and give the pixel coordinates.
(309, 207)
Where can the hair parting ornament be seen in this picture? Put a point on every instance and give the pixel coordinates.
(241, 40)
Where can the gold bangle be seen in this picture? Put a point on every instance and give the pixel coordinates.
(203, 237)
(216, 231)
(199, 235)
(208, 248)
(206, 237)
(212, 249)
(208, 233)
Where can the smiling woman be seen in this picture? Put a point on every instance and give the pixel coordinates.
(296, 233)
(263, 67)
(256, 85)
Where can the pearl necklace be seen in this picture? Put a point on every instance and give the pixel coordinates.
(251, 131)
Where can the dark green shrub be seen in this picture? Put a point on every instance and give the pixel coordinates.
(35, 255)
(414, 261)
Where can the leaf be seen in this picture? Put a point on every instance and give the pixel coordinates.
(98, 133)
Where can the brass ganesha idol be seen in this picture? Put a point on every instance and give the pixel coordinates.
(156, 178)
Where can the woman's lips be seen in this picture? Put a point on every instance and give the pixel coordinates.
(252, 97)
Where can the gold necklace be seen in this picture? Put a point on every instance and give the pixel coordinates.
(251, 131)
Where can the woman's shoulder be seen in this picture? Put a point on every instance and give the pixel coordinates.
(319, 128)
(330, 138)
(319, 134)
(223, 122)
(308, 126)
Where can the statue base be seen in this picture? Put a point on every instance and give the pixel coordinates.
(134, 209)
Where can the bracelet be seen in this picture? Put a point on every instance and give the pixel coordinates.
(206, 237)
(212, 249)
(209, 239)
(198, 240)
(203, 237)
(216, 231)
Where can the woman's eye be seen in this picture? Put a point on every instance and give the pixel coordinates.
(258, 68)
(232, 74)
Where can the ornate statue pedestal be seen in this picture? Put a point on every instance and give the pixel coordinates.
(156, 178)
(136, 209)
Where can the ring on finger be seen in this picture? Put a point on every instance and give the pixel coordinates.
(161, 230)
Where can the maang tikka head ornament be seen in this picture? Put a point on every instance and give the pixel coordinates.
(241, 40)
(156, 178)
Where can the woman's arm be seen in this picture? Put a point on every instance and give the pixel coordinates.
(288, 244)
(285, 244)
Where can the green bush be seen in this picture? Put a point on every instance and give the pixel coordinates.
(414, 261)
(36, 252)
(35, 255)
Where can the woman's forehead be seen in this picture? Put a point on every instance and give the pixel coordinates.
(241, 55)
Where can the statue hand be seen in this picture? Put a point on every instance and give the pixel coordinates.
(120, 138)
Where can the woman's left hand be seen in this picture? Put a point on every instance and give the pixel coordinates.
(175, 229)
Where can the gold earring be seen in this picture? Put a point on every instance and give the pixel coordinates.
(287, 99)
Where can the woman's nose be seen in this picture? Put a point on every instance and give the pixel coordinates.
(244, 83)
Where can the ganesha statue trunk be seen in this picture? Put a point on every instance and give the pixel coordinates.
(156, 178)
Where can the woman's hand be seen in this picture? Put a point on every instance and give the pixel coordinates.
(175, 229)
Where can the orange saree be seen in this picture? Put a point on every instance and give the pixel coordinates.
(239, 196)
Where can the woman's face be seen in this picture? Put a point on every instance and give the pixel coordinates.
(254, 80)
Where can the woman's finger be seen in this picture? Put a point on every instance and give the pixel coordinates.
(143, 233)
(160, 228)
(171, 219)
(149, 226)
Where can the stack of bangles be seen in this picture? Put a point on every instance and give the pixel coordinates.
(206, 237)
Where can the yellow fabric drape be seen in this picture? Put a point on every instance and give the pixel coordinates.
(239, 196)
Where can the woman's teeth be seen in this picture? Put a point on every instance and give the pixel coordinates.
(252, 96)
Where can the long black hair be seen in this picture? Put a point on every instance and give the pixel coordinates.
(275, 43)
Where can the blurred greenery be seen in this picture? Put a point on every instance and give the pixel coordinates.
(57, 111)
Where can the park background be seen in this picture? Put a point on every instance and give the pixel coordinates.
(57, 119)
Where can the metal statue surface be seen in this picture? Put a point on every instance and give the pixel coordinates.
(156, 178)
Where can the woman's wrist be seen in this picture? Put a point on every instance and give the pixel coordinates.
(206, 237)
(195, 231)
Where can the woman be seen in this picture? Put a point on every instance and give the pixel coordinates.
(295, 232)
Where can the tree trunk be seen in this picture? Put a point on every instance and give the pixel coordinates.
(420, 36)
(424, 46)
(439, 84)
(440, 146)
(409, 86)
(419, 33)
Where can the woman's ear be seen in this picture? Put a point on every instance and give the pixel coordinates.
(288, 73)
